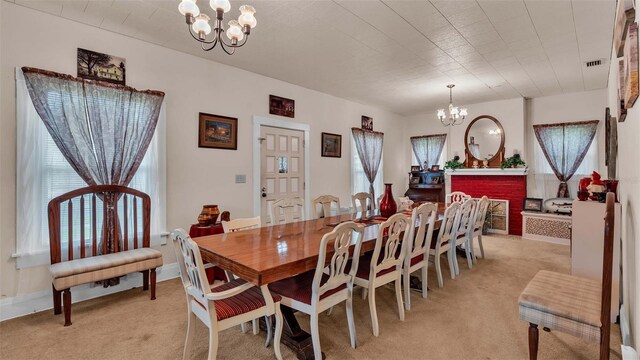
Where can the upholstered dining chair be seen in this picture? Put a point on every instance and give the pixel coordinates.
(417, 248)
(361, 199)
(456, 196)
(461, 238)
(384, 265)
(222, 307)
(475, 231)
(287, 210)
(444, 240)
(326, 202)
(329, 284)
(573, 304)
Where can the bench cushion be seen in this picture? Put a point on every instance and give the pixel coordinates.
(563, 302)
(81, 271)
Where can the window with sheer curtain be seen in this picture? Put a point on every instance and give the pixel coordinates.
(359, 181)
(43, 173)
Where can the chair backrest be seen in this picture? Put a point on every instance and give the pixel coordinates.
(422, 222)
(192, 273)
(378, 200)
(481, 213)
(341, 238)
(449, 224)
(241, 224)
(395, 231)
(467, 211)
(98, 219)
(361, 199)
(457, 196)
(607, 265)
(287, 210)
(326, 202)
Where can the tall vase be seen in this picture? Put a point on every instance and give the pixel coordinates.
(388, 205)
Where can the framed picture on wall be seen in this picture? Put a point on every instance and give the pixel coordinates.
(366, 123)
(331, 145)
(217, 132)
(98, 66)
(282, 106)
(631, 66)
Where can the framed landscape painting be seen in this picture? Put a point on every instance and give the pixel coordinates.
(98, 66)
(331, 145)
(217, 132)
(631, 66)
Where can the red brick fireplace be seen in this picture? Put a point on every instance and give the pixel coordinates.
(508, 184)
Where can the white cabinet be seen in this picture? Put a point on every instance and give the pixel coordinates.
(587, 222)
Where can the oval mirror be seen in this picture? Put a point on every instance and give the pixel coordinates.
(484, 139)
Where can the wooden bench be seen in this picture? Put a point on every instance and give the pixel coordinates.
(107, 232)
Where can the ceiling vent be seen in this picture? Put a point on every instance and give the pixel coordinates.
(593, 63)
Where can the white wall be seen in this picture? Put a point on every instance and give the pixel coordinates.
(194, 176)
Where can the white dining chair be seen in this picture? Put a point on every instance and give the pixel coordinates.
(444, 240)
(361, 199)
(465, 225)
(456, 196)
(475, 232)
(384, 265)
(241, 224)
(378, 200)
(327, 204)
(287, 210)
(222, 307)
(416, 249)
(329, 284)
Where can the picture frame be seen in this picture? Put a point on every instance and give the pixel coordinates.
(414, 180)
(93, 65)
(622, 111)
(607, 127)
(631, 66)
(623, 19)
(331, 145)
(532, 204)
(435, 168)
(217, 132)
(282, 106)
(415, 168)
(435, 180)
(366, 123)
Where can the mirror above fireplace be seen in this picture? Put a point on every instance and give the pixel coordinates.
(484, 140)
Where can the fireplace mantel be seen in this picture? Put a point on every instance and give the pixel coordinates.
(489, 171)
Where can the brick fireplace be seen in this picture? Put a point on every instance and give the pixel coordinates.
(508, 184)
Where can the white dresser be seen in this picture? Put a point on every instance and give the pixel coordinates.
(587, 245)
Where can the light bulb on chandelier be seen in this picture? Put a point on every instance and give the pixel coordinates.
(456, 115)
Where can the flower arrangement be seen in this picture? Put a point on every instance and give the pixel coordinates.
(512, 162)
(453, 163)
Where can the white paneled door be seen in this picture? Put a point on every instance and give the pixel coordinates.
(281, 166)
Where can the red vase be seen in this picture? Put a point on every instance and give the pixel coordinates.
(388, 205)
(583, 183)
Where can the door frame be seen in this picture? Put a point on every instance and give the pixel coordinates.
(259, 121)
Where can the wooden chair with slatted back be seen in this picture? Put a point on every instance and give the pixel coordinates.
(465, 224)
(330, 206)
(573, 304)
(361, 199)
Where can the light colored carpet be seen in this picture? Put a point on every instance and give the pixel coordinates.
(472, 317)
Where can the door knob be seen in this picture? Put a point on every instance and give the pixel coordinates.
(264, 191)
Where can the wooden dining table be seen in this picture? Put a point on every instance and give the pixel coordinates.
(270, 253)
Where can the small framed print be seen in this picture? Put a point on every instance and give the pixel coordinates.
(435, 167)
(415, 168)
(366, 123)
(331, 145)
(435, 180)
(217, 132)
(532, 204)
(414, 180)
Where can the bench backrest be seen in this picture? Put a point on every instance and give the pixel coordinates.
(98, 220)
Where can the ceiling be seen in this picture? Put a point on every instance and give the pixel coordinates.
(396, 54)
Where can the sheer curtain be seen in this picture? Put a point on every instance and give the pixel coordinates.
(428, 148)
(359, 180)
(43, 173)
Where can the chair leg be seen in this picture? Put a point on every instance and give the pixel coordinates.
(278, 333)
(243, 328)
(350, 321)
(256, 328)
(451, 255)
(425, 270)
(438, 270)
(153, 283)
(213, 344)
(329, 311)
(57, 301)
(406, 277)
(364, 293)
(399, 298)
(468, 252)
(145, 280)
(374, 313)
(480, 244)
(268, 325)
(66, 296)
(533, 341)
(315, 336)
(191, 326)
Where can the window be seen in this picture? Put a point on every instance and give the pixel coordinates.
(43, 173)
(359, 181)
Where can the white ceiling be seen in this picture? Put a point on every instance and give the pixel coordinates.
(397, 54)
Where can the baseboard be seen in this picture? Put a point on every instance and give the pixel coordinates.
(26, 304)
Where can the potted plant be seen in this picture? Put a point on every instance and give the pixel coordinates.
(512, 162)
(454, 163)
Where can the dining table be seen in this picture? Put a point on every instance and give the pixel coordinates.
(271, 253)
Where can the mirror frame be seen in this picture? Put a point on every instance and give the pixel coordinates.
(497, 159)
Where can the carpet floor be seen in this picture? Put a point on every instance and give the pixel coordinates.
(474, 316)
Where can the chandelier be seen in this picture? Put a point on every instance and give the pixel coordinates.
(237, 32)
(456, 116)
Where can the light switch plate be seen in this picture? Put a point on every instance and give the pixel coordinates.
(241, 179)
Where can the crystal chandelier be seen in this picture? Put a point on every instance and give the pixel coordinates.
(238, 31)
(456, 116)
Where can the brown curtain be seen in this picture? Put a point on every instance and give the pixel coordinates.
(102, 129)
(565, 145)
(428, 148)
(369, 146)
